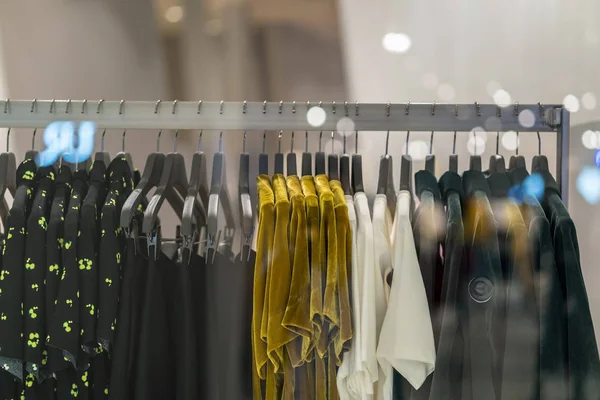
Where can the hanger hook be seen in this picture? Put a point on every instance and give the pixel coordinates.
(387, 142)
(292, 143)
(407, 142)
(68, 106)
(33, 106)
(174, 106)
(454, 144)
(157, 105)
(356, 142)
(99, 106)
(52, 104)
(279, 141)
(320, 139)
(8, 140)
(123, 141)
(306, 141)
(200, 140)
(102, 140)
(431, 136)
(264, 141)
(244, 143)
(517, 149)
(475, 143)
(84, 106)
(539, 144)
(121, 107)
(497, 142)
(157, 140)
(344, 143)
(221, 142)
(33, 139)
(175, 141)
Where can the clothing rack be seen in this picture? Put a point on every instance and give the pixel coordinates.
(293, 116)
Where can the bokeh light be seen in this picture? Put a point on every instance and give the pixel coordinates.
(597, 158)
(492, 87)
(502, 98)
(174, 14)
(446, 92)
(588, 184)
(345, 126)
(476, 145)
(316, 116)
(429, 81)
(480, 132)
(417, 149)
(571, 103)
(526, 118)
(533, 186)
(588, 101)
(510, 140)
(589, 139)
(396, 42)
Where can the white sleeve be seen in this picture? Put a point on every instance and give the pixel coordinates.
(406, 341)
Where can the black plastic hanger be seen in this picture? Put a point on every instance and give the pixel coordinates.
(292, 168)
(320, 158)
(263, 158)
(453, 159)
(539, 162)
(475, 159)
(246, 216)
(345, 170)
(517, 161)
(194, 212)
(357, 175)
(8, 178)
(497, 161)
(333, 162)
(278, 166)
(102, 155)
(306, 159)
(406, 168)
(124, 153)
(430, 158)
(173, 177)
(150, 179)
(32, 153)
(219, 195)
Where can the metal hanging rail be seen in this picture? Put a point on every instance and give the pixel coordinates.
(294, 116)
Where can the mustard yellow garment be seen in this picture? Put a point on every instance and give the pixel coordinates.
(328, 256)
(344, 247)
(279, 282)
(316, 370)
(297, 313)
(265, 234)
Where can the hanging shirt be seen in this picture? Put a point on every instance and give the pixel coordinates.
(582, 349)
(329, 259)
(446, 383)
(317, 278)
(87, 251)
(264, 252)
(351, 361)
(54, 262)
(12, 275)
(297, 312)
(112, 242)
(484, 311)
(35, 275)
(551, 366)
(279, 282)
(406, 342)
(382, 230)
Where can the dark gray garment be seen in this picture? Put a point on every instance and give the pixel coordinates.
(446, 383)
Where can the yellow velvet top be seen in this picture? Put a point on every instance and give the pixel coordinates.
(344, 246)
(297, 313)
(264, 251)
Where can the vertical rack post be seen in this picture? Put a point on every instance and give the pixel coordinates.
(562, 152)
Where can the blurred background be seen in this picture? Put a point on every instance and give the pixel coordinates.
(455, 51)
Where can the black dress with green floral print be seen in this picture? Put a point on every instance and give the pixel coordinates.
(35, 275)
(87, 254)
(64, 328)
(112, 246)
(12, 274)
(54, 266)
